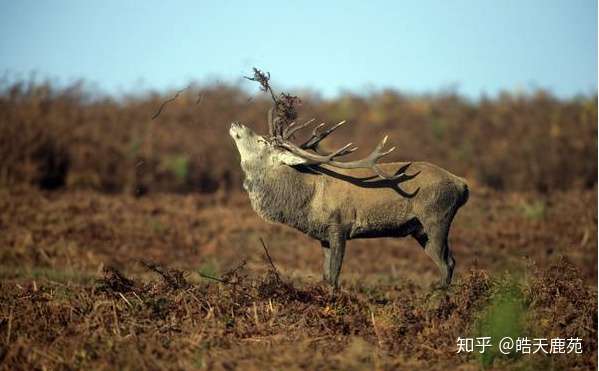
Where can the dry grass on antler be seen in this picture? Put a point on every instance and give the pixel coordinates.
(285, 104)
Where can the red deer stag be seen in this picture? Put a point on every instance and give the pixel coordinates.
(334, 201)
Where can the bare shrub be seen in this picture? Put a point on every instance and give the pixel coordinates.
(53, 137)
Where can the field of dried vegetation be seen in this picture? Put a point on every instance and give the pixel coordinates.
(127, 243)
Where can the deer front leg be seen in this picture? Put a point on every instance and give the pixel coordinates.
(336, 250)
(326, 252)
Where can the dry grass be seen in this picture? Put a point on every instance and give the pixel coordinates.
(75, 294)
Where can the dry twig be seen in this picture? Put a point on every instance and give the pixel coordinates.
(172, 277)
(168, 101)
(274, 269)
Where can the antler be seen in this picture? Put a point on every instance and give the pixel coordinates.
(369, 162)
(290, 130)
(282, 135)
(281, 128)
(272, 123)
(316, 137)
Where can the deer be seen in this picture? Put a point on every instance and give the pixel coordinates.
(333, 201)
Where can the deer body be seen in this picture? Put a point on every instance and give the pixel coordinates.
(334, 205)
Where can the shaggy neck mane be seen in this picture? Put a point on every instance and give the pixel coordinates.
(281, 195)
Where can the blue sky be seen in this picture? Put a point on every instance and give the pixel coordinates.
(472, 46)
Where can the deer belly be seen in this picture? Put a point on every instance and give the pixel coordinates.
(375, 231)
(384, 221)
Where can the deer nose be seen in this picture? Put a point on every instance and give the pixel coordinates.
(234, 129)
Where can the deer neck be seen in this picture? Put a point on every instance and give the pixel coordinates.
(282, 195)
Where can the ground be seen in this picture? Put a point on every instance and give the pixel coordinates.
(91, 280)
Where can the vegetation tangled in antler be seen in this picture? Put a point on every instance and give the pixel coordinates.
(285, 111)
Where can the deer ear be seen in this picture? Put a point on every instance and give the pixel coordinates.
(289, 158)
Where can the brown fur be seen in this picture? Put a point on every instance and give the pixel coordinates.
(334, 205)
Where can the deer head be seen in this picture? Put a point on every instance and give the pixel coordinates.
(257, 149)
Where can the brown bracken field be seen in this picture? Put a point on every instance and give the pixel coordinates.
(127, 242)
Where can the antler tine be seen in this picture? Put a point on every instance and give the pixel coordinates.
(372, 159)
(285, 130)
(347, 151)
(317, 138)
(278, 129)
(289, 131)
(343, 151)
(271, 128)
(316, 128)
(377, 154)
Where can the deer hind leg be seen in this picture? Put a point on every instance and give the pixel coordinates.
(336, 241)
(437, 248)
